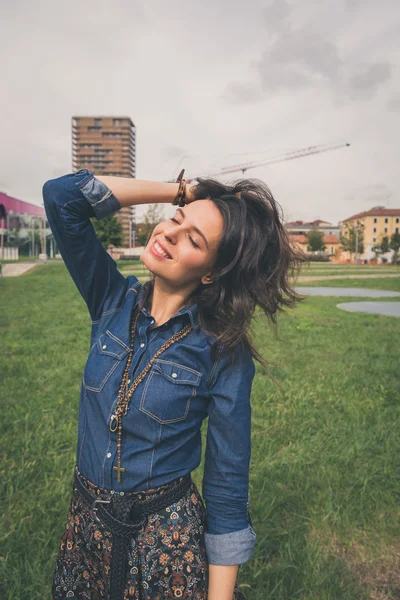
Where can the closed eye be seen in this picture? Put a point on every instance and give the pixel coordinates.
(192, 241)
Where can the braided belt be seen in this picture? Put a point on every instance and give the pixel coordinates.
(124, 518)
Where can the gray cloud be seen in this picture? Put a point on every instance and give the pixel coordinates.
(378, 194)
(173, 152)
(367, 79)
(298, 58)
(276, 14)
(292, 75)
(394, 104)
(237, 92)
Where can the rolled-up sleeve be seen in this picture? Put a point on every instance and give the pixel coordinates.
(229, 537)
(70, 201)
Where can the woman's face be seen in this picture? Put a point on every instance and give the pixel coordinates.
(190, 239)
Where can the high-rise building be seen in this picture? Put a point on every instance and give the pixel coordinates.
(107, 146)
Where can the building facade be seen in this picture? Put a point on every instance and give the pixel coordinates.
(377, 223)
(304, 227)
(107, 146)
(331, 243)
(299, 230)
(26, 223)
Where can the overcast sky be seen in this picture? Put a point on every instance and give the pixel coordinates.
(219, 82)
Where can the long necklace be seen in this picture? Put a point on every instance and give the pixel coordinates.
(125, 394)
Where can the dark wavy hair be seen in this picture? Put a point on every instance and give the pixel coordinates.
(256, 264)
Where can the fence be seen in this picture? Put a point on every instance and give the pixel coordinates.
(9, 253)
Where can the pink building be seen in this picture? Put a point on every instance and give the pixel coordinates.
(11, 208)
(18, 220)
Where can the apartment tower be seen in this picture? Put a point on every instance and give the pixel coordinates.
(107, 146)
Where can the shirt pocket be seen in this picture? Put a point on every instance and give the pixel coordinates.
(104, 358)
(169, 390)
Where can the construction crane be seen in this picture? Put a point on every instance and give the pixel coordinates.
(294, 154)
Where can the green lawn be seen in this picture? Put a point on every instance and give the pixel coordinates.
(330, 265)
(351, 272)
(318, 269)
(324, 474)
(392, 283)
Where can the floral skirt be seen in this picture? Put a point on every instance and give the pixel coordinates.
(166, 559)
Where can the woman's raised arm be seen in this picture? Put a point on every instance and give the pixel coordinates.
(70, 201)
(131, 191)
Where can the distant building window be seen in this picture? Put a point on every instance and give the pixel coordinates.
(374, 239)
(375, 220)
(397, 230)
(397, 220)
(94, 128)
(97, 122)
(386, 220)
(385, 229)
(117, 122)
(374, 229)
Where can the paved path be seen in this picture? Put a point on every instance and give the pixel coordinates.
(356, 276)
(389, 309)
(341, 291)
(19, 268)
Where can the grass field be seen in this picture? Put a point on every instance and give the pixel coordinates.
(325, 483)
(374, 284)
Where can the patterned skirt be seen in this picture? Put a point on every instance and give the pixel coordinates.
(166, 559)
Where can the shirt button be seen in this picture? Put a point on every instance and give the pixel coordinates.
(109, 454)
(105, 346)
(142, 345)
(174, 375)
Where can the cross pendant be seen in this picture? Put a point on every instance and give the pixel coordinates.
(119, 470)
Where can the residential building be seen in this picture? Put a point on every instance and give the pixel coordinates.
(331, 244)
(378, 222)
(303, 227)
(107, 146)
(299, 231)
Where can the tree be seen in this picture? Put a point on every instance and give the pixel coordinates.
(153, 216)
(315, 241)
(349, 241)
(108, 230)
(382, 247)
(377, 251)
(141, 236)
(395, 245)
(385, 245)
(12, 234)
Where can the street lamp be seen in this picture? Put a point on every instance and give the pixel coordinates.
(42, 236)
(356, 252)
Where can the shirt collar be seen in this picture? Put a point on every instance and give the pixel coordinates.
(190, 309)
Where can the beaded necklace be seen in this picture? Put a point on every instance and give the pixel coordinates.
(125, 394)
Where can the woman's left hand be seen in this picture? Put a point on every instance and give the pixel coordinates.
(189, 197)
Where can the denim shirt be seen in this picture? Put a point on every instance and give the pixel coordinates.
(161, 438)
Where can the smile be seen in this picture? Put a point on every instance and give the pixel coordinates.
(158, 251)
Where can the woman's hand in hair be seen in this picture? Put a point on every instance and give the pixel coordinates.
(189, 196)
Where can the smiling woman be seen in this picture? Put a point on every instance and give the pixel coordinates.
(165, 356)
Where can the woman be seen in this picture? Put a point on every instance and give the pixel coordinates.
(164, 356)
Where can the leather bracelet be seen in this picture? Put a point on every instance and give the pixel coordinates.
(181, 193)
